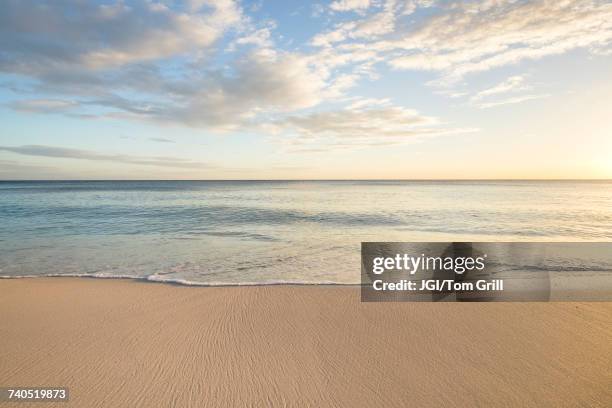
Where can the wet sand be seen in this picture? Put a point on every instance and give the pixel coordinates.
(119, 343)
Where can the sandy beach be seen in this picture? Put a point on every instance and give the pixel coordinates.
(119, 343)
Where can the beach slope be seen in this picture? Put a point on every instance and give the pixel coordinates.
(119, 343)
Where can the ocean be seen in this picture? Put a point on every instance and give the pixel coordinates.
(254, 232)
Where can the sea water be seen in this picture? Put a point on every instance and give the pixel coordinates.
(251, 232)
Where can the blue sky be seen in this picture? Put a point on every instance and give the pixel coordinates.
(288, 89)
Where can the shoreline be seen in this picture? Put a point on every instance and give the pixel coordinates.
(179, 282)
(577, 292)
(122, 343)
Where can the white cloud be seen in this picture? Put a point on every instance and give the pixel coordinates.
(68, 153)
(366, 28)
(341, 84)
(206, 64)
(460, 38)
(512, 84)
(350, 5)
(261, 83)
(358, 126)
(261, 38)
(91, 35)
(501, 33)
(512, 90)
(361, 103)
(114, 56)
(510, 101)
(43, 105)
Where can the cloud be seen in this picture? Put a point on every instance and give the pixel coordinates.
(43, 105)
(157, 62)
(350, 5)
(370, 124)
(392, 121)
(14, 170)
(460, 38)
(366, 28)
(206, 64)
(261, 37)
(38, 36)
(512, 84)
(67, 153)
(360, 103)
(510, 101)
(260, 82)
(470, 39)
(161, 140)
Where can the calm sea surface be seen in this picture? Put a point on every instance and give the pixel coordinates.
(256, 232)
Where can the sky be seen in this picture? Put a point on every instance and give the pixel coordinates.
(347, 89)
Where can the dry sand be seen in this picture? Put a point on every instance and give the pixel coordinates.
(119, 343)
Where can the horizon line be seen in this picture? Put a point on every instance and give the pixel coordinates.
(330, 179)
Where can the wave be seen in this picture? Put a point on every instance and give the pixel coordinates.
(179, 281)
(587, 267)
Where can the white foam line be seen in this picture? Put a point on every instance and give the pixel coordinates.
(183, 282)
